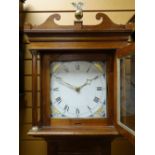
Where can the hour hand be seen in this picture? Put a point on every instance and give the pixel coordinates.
(65, 83)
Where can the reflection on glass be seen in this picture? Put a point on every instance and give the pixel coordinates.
(127, 91)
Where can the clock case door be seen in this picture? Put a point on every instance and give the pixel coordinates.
(46, 60)
(124, 93)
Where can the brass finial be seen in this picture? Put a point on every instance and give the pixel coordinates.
(79, 11)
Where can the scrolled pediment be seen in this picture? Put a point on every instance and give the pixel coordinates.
(50, 25)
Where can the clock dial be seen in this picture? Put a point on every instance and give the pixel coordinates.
(78, 89)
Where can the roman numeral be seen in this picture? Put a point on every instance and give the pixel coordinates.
(58, 100)
(99, 88)
(66, 108)
(55, 89)
(103, 114)
(77, 111)
(62, 115)
(96, 99)
(77, 66)
(91, 115)
(89, 108)
(66, 70)
(88, 70)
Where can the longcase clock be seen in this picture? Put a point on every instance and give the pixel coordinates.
(87, 85)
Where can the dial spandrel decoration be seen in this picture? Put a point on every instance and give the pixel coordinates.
(78, 89)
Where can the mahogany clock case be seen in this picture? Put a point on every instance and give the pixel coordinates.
(53, 42)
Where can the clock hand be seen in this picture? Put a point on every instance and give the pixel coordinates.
(65, 83)
(88, 82)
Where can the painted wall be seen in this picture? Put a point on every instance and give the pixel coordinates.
(120, 11)
(36, 12)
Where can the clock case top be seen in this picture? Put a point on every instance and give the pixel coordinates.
(50, 36)
(51, 40)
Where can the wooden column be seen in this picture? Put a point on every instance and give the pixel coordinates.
(34, 89)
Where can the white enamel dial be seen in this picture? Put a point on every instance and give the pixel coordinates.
(78, 89)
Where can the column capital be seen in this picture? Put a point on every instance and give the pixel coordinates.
(34, 52)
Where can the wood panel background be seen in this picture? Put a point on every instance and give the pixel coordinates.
(36, 12)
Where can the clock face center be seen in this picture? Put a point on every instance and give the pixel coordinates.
(78, 89)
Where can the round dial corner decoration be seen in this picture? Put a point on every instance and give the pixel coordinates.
(78, 89)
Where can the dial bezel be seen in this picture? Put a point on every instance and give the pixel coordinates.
(47, 59)
(91, 108)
